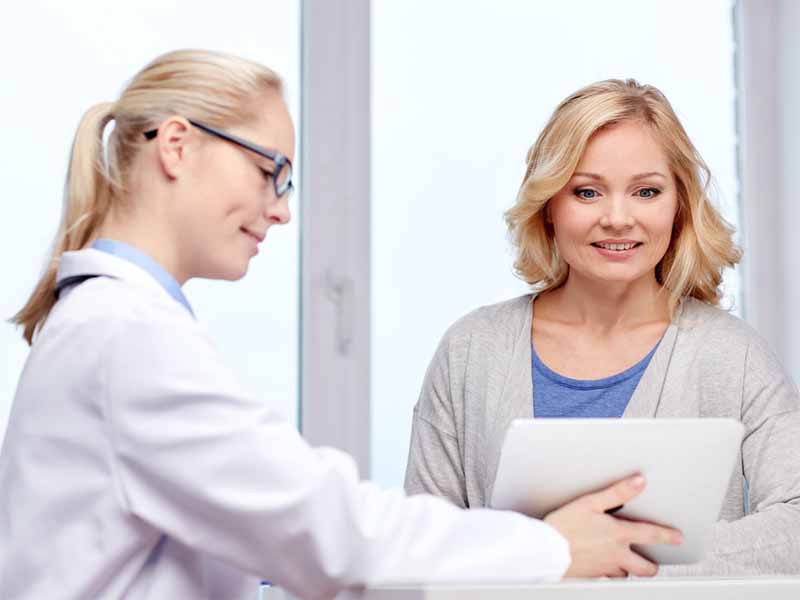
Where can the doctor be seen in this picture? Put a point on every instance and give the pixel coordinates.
(135, 467)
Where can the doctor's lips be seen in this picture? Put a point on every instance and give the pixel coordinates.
(259, 237)
(615, 245)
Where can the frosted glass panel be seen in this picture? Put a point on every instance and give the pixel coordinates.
(460, 90)
(62, 57)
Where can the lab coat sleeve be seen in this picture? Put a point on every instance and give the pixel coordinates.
(206, 464)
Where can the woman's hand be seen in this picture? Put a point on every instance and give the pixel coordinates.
(601, 543)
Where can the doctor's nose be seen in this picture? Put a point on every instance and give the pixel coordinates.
(277, 211)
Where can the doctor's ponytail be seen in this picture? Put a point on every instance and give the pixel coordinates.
(87, 196)
(216, 88)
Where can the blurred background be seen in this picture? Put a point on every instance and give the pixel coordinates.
(414, 118)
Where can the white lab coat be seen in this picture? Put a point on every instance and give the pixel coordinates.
(134, 466)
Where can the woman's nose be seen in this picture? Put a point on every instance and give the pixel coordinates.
(617, 214)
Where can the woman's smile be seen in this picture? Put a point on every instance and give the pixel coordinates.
(617, 249)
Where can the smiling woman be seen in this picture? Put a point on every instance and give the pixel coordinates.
(624, 252)
(613, 221)
(625, 157)
(275, 170)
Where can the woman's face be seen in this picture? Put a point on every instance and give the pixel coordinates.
(613, 220)
(232, 202)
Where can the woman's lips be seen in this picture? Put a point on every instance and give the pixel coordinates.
(617, 250)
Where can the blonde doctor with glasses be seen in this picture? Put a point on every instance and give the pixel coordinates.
(134, 466)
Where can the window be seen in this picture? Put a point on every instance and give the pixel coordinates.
(67, 56)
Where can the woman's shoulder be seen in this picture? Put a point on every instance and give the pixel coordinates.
(724, 336)
(705, 321)
(493, 320)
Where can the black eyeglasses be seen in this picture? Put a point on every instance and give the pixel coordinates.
(281, 178)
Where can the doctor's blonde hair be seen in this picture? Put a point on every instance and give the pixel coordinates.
(213, 87)
(702, 241)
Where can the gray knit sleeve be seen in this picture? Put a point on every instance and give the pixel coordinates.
(767, 539)
(435, 460)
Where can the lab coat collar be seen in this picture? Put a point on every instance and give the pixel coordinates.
(84, 264)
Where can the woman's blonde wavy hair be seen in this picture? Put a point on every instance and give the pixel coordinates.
(702, 241)
(216, 88)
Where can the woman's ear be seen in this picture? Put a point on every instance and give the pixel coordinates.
(174, 137)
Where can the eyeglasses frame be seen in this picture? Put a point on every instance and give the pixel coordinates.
(281, 161)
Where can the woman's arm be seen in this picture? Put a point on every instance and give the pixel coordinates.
(767, 540)
(435, 459)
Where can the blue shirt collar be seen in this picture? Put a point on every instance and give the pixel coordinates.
(140, 259)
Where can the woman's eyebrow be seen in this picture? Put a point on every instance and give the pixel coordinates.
(649, 174)
(634, 178)
(588, 175)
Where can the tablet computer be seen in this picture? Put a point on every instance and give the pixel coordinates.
(688, 463)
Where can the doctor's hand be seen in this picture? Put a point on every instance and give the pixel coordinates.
(601, 543)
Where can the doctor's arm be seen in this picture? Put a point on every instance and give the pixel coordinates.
(201, 461)
(766, 541)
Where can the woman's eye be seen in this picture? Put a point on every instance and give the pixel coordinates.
(648, 193)
(267, 175)
(586, 193)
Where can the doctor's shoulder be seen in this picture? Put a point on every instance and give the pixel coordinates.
(102, 306)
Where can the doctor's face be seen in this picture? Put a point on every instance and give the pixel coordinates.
(234, 201)
(613, 220)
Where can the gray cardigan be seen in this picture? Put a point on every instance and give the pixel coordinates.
(709, 364)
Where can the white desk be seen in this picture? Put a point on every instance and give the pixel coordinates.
(754, 588)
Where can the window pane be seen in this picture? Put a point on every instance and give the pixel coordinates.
(460, 91)
(68, 56)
